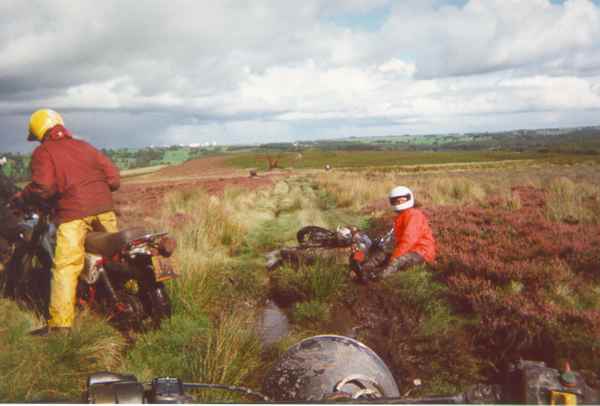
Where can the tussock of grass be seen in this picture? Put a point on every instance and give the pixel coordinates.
(56, 367)
(169, 351)
(193, 349)
(570, 201)
(312, 311)
(320, 282)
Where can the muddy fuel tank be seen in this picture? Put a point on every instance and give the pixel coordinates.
(326, 367)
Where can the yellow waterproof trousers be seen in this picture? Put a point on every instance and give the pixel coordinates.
(69, 259)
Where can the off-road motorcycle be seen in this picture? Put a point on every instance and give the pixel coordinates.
(123, 277)
(363, 249)
(330, 369)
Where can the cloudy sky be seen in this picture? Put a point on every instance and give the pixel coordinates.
(134, 73)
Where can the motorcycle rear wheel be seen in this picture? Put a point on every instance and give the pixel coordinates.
(158, 304)
(131, 314)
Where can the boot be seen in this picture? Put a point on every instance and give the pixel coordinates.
(46, 331)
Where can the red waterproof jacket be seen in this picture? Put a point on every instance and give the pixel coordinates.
(413, 234)
(73, 173)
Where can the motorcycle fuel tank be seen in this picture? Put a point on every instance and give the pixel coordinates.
(324, 367)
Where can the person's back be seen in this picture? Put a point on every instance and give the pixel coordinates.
(82, 180)
(413, 234)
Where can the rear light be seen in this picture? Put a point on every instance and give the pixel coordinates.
(166, 246)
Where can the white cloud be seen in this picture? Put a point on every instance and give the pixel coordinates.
(279, 66)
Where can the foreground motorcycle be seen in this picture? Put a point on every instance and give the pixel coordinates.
(338, 369)
(123, 276)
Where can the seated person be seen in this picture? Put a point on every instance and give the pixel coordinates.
(414, 240)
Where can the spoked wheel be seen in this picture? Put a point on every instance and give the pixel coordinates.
(315, 236)
(128, 313)
(158, 304)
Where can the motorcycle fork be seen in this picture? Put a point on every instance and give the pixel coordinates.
(108, 285)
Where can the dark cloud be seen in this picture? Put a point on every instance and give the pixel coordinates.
(160, 72)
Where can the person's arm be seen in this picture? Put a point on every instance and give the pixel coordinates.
(43, 179)
(110, 170)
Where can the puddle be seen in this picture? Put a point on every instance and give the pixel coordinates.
(274, 324)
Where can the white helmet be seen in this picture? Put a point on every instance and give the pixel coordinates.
(400, 191)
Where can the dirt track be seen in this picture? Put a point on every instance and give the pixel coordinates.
(139, 196)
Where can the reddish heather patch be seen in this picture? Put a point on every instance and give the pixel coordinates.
(525, 279)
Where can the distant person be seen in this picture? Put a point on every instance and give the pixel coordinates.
(77, 180)
(414, 239)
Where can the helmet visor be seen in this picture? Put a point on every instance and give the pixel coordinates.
(396, 200)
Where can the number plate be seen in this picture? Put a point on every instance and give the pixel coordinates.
(164, 268)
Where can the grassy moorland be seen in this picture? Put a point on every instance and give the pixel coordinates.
(516, 277)
(317, 159)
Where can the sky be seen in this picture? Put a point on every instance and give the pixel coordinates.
(126, 73)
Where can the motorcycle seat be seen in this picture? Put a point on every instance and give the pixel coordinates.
(107, 244)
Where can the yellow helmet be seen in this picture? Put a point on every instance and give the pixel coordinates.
(41, 121)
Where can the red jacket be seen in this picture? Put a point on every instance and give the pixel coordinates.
(413, 234)
(78, 176)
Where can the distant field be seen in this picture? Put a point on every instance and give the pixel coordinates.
(357, 159)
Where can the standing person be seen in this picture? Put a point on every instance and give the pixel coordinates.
(414, 240)
(77, 180)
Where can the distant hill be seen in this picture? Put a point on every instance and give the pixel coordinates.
(578, 140)
(572, 140)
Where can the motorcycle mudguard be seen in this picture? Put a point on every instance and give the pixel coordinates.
(322, 366)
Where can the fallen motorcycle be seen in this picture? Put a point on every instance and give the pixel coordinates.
(375, 252)
(123, 276)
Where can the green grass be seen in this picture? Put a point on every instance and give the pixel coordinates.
(53, 368)
(310, 312)
(317, 159)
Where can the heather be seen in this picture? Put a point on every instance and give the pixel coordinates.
(532, 282)
(516, 274)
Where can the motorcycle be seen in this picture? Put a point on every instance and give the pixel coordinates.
(364, 250)
(123, 276)
(337, 369)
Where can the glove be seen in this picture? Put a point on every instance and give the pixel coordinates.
(16, 201)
